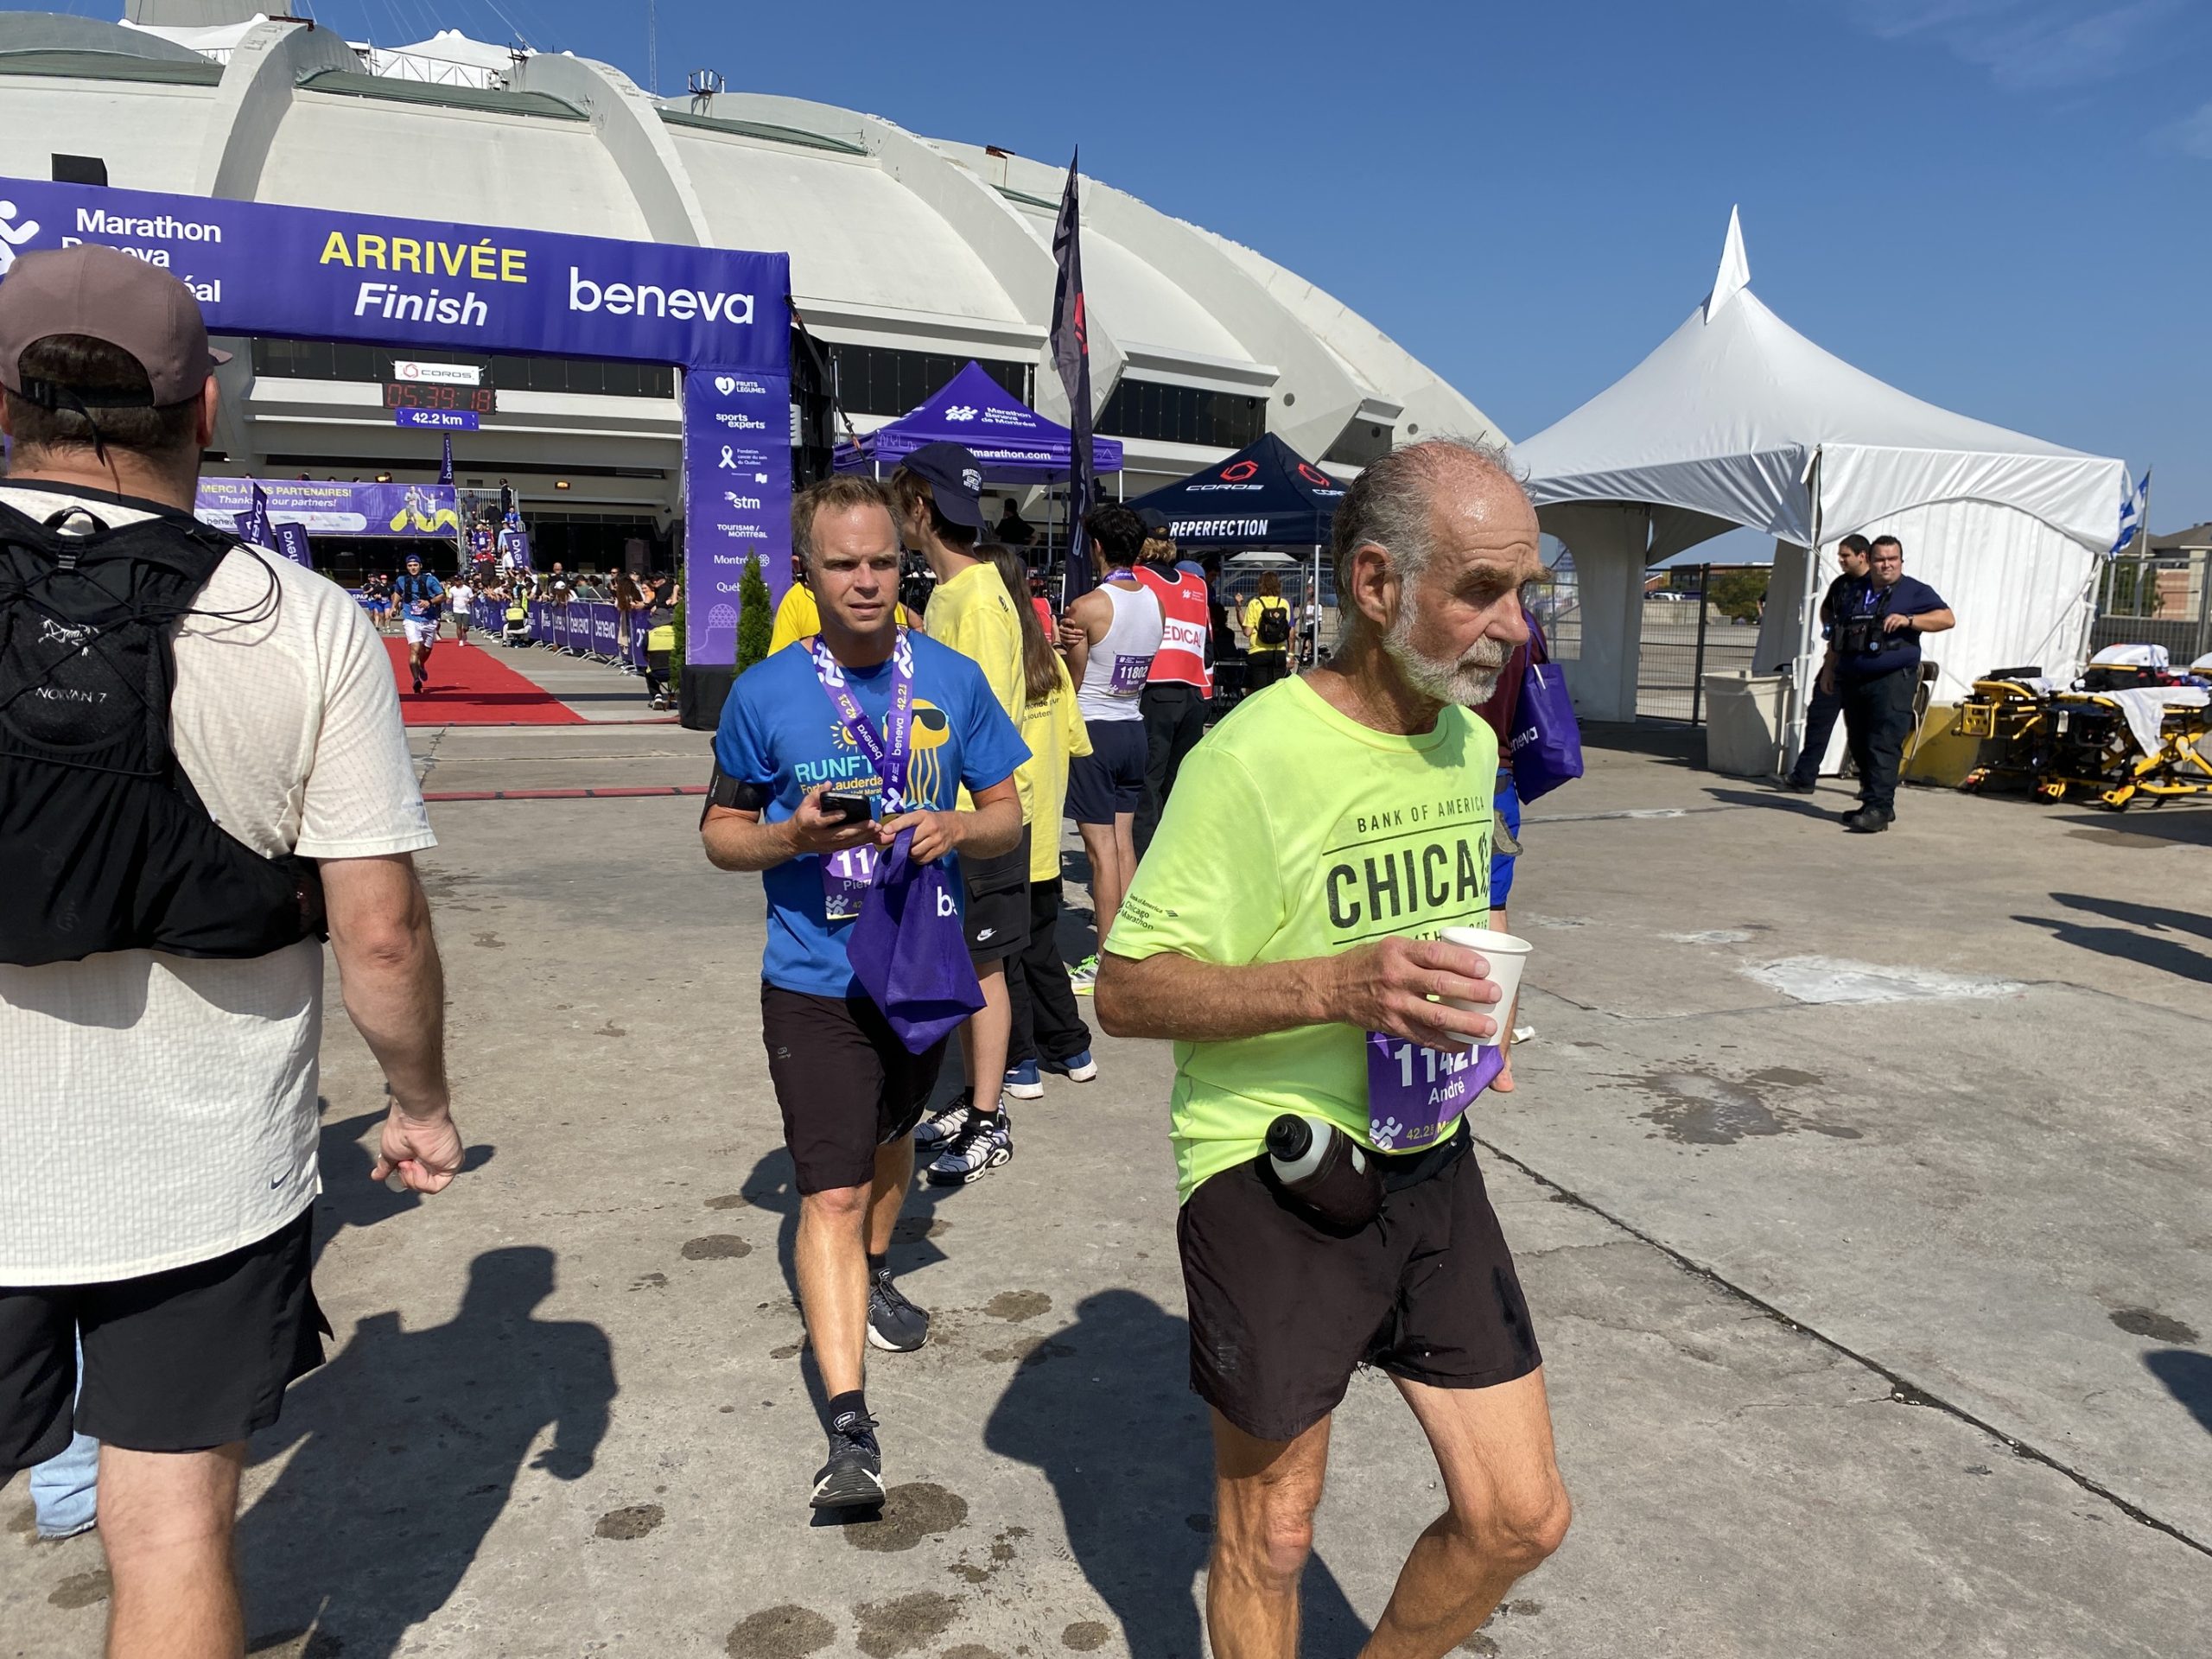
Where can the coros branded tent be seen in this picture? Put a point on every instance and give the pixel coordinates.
(1265, 495)
(1737, 419)
(1015, 444)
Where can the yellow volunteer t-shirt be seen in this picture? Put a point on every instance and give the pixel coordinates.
(1054, 730)
(1294, 831)
(974, 614)
(1252, 612)
(800, 615)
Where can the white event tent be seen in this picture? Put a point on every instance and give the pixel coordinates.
(1738, 420)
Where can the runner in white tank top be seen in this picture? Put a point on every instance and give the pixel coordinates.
(1114, 673)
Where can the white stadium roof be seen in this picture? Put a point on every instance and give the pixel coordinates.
(897, 242)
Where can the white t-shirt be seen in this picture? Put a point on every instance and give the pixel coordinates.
(458, 597)
(159, 1110)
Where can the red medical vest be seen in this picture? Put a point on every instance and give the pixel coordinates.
(1181, 659)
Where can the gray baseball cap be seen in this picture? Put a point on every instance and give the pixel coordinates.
(107, 295)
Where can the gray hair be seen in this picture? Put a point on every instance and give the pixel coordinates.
(1390, 504)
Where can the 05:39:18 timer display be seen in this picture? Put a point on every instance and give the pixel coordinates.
(408, 394)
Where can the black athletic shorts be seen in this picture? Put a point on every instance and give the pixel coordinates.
(1282, 1312)
(844, 1082)
(1110, 779)
(179, 1361)
(997, 916)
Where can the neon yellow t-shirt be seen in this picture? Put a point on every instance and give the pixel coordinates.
(1253, 611)
(800, 615)
(1294, 831)
(1054, 730)
(974, 614)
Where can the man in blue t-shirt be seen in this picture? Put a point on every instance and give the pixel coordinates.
(1876, 657)
(420, 596)
(797, 795)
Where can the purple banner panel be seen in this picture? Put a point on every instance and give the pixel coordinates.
(326, 507)
(737, 499)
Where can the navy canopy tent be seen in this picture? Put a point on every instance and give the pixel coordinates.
(1015, 444)
(1265, 495)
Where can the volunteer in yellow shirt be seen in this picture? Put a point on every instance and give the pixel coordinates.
(938, 493)
(1283, 931)
(1049, 1034)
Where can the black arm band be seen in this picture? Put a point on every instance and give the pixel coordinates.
(734, 793)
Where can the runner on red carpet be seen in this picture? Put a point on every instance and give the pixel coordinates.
(420, 596)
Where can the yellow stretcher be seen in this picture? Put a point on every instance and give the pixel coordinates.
(2111, 745)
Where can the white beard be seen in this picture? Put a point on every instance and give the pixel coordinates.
(1469, 681)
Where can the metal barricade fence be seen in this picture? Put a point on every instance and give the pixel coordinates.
(2156, 599)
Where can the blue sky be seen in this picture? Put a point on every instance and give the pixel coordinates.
(1998, 204)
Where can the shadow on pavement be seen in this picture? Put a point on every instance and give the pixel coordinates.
(2157, 917)
(1801, 807)
(1102, 1409)
(2188, 1376)
(406, 1450)
(351, 1199)
(2148, 950)
(2184, 826)
(1669, 741)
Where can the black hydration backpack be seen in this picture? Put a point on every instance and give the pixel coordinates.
(1275, 624)
(104, 844)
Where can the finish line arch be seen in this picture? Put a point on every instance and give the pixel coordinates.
(721, 316)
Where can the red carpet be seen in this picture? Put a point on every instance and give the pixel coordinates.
(470, 687)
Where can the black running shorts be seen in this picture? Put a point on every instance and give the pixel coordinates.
(997, 914)
(185, 1360)
(844, 1082)
(1282, 1312)
(1110, 779)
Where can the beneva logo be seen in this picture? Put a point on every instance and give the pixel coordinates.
(650, 300)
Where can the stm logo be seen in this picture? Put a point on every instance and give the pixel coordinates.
(958, 411)
(742, 503)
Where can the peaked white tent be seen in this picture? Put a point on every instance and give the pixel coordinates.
(1738, 420)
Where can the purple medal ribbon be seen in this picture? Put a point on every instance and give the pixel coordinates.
(890, 763)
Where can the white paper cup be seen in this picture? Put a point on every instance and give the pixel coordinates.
(1507, 955)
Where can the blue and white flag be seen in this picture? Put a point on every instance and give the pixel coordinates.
(2134, 507)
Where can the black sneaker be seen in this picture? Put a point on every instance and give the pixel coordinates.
(1867, 821)
(853, 1479)
(1800, 786)
(894, 1323)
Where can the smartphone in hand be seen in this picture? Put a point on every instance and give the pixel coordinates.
(852, 809)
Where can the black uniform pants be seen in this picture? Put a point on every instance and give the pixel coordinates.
(1046, 1026)
(1820, 726)
(1878, 717)
(1175, 721)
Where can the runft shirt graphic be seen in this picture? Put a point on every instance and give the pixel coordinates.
(1294, 831)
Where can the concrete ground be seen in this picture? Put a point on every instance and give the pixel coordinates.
(1858, 1185)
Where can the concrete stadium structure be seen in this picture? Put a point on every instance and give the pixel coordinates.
(909, 255)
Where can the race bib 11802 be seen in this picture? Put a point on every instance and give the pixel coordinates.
(1413, 1092)
(846, 877)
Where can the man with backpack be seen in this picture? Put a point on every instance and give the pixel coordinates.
(420, 597)
(161, 988)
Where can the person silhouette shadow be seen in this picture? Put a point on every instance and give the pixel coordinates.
(406, 1449)
(351, 1197)
(1104, 1408)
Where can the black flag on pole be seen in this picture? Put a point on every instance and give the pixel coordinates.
(1071, 357)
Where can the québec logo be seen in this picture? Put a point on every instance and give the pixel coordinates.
(13, 235)
(957, 412)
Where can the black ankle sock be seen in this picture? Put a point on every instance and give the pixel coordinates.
(854, 1405)
(877, 1263)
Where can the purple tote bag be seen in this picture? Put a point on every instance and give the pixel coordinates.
(1547, 740)
(910, 952)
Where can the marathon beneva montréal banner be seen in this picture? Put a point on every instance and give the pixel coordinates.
(306, 273)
